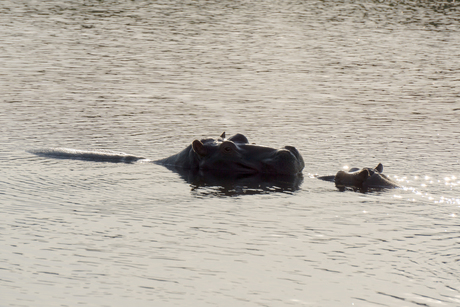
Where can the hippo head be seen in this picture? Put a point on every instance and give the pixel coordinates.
(351, 179)
(236, 155)
(364, 179)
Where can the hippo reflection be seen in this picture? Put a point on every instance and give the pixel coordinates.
(212, 182)
(362, 179)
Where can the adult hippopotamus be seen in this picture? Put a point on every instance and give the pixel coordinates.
(362, 179)
(236, 155)
(232, 155)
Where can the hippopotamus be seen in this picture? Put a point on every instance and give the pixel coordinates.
(362, 179)
(230, 155)
(236, 155)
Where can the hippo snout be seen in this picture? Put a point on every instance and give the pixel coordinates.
(288, 160)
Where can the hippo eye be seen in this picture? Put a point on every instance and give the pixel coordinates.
(228, 147)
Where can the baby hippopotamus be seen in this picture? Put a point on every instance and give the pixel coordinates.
(364, 179)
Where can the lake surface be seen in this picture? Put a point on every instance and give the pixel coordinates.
(348, 83)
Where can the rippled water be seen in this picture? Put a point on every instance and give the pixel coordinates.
(349, 83)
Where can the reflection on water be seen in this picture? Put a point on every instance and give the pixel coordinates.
(345, 82)
(237, 184)
(426, 187)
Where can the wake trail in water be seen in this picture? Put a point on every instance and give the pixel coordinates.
(89, 155)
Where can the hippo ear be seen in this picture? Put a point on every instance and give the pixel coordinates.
(379, 168)
(222, 136)
(239, 138)
(199, 148)
(363, 175)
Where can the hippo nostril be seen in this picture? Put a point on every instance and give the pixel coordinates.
(286, 155)
(293, 151)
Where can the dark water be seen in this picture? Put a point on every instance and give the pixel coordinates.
(349, 83)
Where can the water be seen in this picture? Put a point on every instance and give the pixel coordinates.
(349, 83)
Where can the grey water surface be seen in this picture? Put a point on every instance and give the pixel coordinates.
(348, 83)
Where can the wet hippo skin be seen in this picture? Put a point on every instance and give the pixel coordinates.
(366, 178)
(236, 155)
(362, 179)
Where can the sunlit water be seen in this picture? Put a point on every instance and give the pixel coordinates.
(348, 83)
